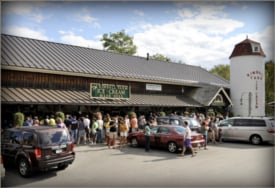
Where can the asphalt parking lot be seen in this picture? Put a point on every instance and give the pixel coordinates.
(230, 164)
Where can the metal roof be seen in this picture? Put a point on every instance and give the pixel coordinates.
(65, 97)
(206, 95)
(33, 55)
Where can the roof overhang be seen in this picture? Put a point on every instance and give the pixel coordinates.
(64, 97)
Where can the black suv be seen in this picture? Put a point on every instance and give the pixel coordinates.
(37, 148)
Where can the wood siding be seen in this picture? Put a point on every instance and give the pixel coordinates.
(50, 81)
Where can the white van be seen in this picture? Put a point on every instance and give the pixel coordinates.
(253, 129)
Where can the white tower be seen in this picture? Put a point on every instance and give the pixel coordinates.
(247, 79)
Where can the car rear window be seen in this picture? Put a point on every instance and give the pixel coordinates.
(56, 136)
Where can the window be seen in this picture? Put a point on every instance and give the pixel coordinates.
(15, 138)
(51, 137)
(257, 123)
(28, 139)
(241, 122)
(226, 123)
(164, 130)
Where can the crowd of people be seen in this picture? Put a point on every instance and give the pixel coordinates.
(102, 128)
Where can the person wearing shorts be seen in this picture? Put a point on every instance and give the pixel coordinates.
(187, 139)
(112, 134)
(123, 132)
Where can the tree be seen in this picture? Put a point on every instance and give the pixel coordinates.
(119, 42)
(221, 70)
(269, 86)
(160, 57)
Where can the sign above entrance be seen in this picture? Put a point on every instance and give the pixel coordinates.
(109, 91)
(153, 87)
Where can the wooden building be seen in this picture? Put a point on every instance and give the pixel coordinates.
(40, 77)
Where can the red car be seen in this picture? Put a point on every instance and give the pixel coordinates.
(165, 136)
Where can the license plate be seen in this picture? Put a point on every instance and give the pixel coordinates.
(58, 151)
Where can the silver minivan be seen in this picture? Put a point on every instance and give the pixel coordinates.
(253, 129)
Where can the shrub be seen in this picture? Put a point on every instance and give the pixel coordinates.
(162, 114)
(132, 114)
(61, 115)
(18, 119)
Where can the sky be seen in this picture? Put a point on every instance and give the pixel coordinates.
(201, 33)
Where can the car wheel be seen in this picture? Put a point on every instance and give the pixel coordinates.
(172, 147)
(255, 139)
(62, 166)
(24, 168)
(134, 142)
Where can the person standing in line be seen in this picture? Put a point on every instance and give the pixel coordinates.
(81, 131)
(74, 129)
(52, 121)
(107, 128)
(147, 133)
(59, 123)
(187, 139)
(134, 123)
(100, 128)
(204, 131)
(123, 132)
(87, 122)
(94, 131)
(112, 135)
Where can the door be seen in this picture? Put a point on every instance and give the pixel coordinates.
(227, 128)
(162, 136)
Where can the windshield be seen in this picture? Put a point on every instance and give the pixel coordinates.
(179, 129)
(50, 137)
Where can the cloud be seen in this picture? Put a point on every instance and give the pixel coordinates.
(26, 32)
(139, 13)
(198, 37)
(84, 16)
(69, 37)
(24, 9)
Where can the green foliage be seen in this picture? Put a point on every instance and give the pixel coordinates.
(222, 70)
(160, 57)
(269, 86)
(18, 119)
(119, 42)
(132, 114)
(162, 114)
(61, 115)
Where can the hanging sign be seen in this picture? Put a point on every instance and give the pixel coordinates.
(109, 91)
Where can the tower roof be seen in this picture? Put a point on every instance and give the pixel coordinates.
(247, 47)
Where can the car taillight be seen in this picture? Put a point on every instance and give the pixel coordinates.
(38, 153)
(72, 147)
(272, 131)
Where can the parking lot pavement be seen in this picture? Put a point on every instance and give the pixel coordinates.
(229, 164)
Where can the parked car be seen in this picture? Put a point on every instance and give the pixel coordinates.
(253, 129)
(193, 123)
(169, 120)
(169, 137)
(37, 148)
(3, 170)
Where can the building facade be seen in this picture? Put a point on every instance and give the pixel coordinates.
(40, 77)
